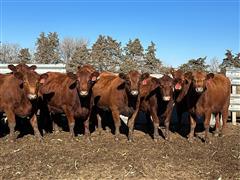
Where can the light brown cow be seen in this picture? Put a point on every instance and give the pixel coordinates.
(119, 94)
(17, 90)
(70, 94)
(206, 94)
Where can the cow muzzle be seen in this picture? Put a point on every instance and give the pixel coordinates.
(199, 89)
(32, 96)
(178, 86)
(166, 98)
(83, 93)
(134, 92)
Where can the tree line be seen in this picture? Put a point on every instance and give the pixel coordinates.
(106, 54)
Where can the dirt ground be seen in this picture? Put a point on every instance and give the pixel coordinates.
(57, 157)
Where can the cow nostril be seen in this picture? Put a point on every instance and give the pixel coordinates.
(32, 96)
(199, 89)
(83, 93)
(166, 98)
(134, 92)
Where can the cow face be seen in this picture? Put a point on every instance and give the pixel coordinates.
(178, 79)
(132, 82)
(31, 80)
(84, 80)
(166, 86)
(200, 79)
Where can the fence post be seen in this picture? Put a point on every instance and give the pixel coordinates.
(234, 114)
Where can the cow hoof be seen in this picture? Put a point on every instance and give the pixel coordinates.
(108, 130)
(56, 132)
(190, 139)
(116, 138)
(207, 141)
(215, 134)
(130, 140)
(168, 138)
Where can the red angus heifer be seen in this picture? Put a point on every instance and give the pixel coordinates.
(157, 98)
(206, 94)
(70, 94)
(16, 92)
(119, 94)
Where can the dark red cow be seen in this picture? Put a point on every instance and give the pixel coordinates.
(70, 94)
(119, 94)
(157, 99)
(16, 92)
(206, 94)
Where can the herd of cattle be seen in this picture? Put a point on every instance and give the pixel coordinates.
(86, 93)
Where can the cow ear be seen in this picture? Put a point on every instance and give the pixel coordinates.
(188, 75)
(12, 68)
(72, 75)
(122, 76)
(172, 72)
(210, 76)
(94, 76)
(121, 86)
(32, 68)
(73, 85)
(43, 78)
(18, 75)
(144, 76)
(79, 67)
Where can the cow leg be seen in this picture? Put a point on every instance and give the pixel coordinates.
(117, 122)
(155, 125)
(86, 128)
(217, 121)
(11, 124)
(206, 125)
(34, 124)
(224, 121)
(130, 124)
(71, 121)
(99, 124)
(192, 128)
(166, 123)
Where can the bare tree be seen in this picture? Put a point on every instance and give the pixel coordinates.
(214, 65)
(9, 53)
(69, 45)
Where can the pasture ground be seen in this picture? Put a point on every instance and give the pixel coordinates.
(57, 157)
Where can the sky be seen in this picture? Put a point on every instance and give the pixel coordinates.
(181, 29)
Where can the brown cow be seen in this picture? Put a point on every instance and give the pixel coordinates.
(206, 94)
(16, 92)
(119, 94)
(71, 94)
(157, 99)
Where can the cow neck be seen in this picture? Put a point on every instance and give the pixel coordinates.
(84, 101)
(132, 100)
(193, 97)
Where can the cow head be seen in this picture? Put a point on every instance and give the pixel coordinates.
(31, 80)
(166, 87)
(200, 79)
(178, 79)
(84, 79)
(132, 81)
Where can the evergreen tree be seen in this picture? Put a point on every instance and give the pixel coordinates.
(153, 64)
(106, 54)
(134, 52)
(195, 64)
(128, 65)
(47, 48)
(24, 56)
(80, 56)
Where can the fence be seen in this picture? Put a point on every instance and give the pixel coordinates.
(234, 75)
(41, 68)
